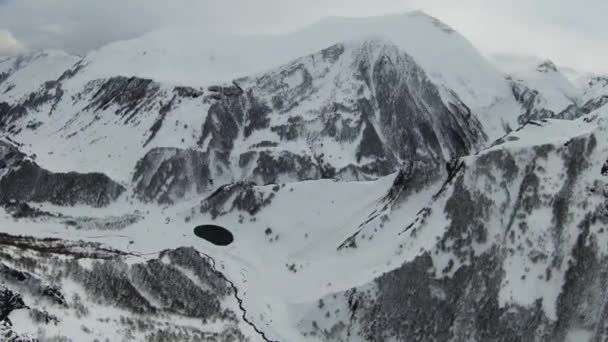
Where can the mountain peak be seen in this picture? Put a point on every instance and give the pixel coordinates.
(547, 66)
(436, 22)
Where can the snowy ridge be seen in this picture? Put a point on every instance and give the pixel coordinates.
(292, 236)
(329, 114)
(146, 57)
(544, 90)
(21, 75)
(200, 60)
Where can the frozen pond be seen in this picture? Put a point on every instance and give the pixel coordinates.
(217, 235)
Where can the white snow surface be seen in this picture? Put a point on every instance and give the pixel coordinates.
(309, 220)
(557, 91)
(193, 57)
(27, 72)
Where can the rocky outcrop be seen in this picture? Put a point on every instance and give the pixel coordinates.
(535, 107)
(29, 182)
(166, 175)
(354, 111)
(387, 109)
(9, 301)
(49, 93)
(595, 95)
(515, 225)
(21, 179)
(129, 95)
(242, 197)
(389, 113)
(594, 104)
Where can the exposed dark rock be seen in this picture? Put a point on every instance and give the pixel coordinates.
(332, 53)
(246, 159)
(4, 76)
(532, 102)
(9, 335)
(166, 175)
(228, 91)
(189, 92)
(270, 167)
(129, 96)
(394, 93)
(183, 285)
(291, 130)
(35, 285)
(245, 197)
(29, 182)
(371, 146)
(221, 128)
(547, 66)
(22, 210)
(162, 113)
(265, 144)
(24, 180)
(594, 104)
(9, 301)
(257, 115)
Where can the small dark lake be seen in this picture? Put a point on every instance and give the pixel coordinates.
(217, 235)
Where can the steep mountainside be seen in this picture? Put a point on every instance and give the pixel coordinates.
(21, 179)
(179, 296)
(345, 112)
(517, 249)
(19, 75)
(595, 93)
(544, 91)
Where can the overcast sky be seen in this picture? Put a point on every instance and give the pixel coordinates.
(571, 33)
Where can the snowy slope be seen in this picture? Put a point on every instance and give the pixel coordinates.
(21, 75)
(595, 94)
(344, 112)
(547, 91)
(541, 88)
(196, 57)
(523, 218)
(191, 57)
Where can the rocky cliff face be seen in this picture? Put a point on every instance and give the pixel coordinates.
(545, 92)
(166, 175)
(534, 105)
(345, 112)
(520, 256)
(21, 179)
(594, 96)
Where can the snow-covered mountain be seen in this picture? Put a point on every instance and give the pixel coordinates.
(18, 75)
(547, 91)
(379, 180)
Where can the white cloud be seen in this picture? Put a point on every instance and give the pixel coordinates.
(570, 32)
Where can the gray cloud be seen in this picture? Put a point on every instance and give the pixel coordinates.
(569, 32)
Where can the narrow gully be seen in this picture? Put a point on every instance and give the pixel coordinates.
(238, 299)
